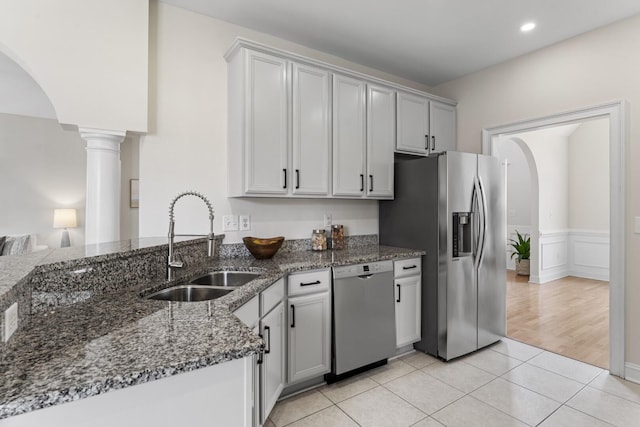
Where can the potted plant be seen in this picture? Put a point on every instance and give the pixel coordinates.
(522, 248)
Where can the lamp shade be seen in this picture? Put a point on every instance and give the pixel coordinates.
(64, 218)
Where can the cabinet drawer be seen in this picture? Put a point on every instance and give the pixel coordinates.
(407, 267)
(271, 296)
(248, 312)
(308, 282)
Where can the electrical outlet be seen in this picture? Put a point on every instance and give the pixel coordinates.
(245, 222)
(230, 223)
(10, 321)
(327, 220)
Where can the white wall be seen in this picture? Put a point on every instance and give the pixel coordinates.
(89, 56)
(43, 168)
(589, 176)
(129, 169)
(591, 69)
(518, 182)
(550, 150)
(186, 147)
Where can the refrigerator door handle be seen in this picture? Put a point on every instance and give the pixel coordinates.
(479, 197)
(482, 198)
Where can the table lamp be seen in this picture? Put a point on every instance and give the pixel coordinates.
(64, 218)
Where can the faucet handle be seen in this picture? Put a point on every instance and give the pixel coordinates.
(176, 262)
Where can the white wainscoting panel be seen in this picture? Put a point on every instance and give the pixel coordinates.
(589, 254)
(553, 255)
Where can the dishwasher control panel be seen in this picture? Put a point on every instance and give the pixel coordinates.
(362, 269)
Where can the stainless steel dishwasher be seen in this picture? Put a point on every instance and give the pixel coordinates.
(364, 330)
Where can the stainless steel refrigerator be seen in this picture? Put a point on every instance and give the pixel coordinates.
(451, 205)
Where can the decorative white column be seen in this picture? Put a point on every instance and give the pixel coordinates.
(102, 216)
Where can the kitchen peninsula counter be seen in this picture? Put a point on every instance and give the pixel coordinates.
(94, 342)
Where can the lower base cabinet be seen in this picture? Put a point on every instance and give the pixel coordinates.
(272, 367)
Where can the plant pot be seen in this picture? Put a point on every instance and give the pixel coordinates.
(522, 267)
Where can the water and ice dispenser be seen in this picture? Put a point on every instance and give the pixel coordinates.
(462, 242)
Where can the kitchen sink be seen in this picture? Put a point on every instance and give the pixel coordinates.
(225, 279)
(189, 293)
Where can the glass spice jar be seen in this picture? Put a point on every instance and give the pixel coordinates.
(319, 240)
(337, 236)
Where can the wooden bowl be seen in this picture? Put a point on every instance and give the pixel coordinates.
(263, 248)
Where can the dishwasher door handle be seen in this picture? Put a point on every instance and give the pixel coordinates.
(365, 276)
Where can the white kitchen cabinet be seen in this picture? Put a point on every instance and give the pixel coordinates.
(349, 136)
(408, 287)
(413, 124)
(442, 125)
(258, 124)
(424, 126)
(272, 368)
(309, 325)
(311, 126)
(381, 134)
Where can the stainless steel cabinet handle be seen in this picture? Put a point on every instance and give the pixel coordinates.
(410, 267)
(361, 182)
(293, 316)
(317, 282)
(433, 143)
(398, 300)
(285, 178)
(268, 348)
(297, 178)
(370, 182)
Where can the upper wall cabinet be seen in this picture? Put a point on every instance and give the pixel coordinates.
(349, 136)
(381, 129)
(311, 130)
(303, 128)
(258, 146)
(425, 126)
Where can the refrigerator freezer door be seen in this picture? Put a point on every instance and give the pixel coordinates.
(457, 291)
(492, 266)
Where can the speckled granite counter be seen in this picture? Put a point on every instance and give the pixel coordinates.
(116, 339)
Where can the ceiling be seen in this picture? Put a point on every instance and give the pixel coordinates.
(426, 41)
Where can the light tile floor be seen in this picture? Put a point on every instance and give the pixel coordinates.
(507, 384)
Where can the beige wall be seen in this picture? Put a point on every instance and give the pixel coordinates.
(591, 69)
(186, 147)
(89, 57)
(589, 176)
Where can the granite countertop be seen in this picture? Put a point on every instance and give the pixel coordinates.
(118, 339)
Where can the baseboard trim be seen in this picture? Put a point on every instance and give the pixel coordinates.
(632, 372)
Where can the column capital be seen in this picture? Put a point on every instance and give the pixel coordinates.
(101, 139)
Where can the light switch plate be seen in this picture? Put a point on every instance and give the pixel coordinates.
(10, 321)
(327, 220)
(636, 226)
(230, 223)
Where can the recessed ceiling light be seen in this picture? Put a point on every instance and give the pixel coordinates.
(528, 27)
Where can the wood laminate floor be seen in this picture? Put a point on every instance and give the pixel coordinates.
(569, 316)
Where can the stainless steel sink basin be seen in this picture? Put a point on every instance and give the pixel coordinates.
(189, 293)
(224, 279)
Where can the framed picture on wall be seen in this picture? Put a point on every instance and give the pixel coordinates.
(134, 193)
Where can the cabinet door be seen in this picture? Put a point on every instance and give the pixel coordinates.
(311, 131)
(272, 369)
(381, 135)
(442, 120)
(408, 312)
(413, 124)
(348, 136)
(266, 127)
(309, 336)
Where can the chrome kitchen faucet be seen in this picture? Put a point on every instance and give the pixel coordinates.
(172, 260)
